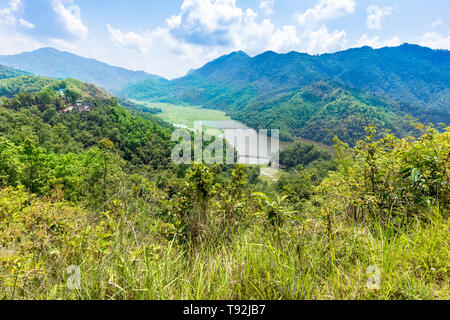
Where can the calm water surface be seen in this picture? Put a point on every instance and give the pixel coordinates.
(252, 146)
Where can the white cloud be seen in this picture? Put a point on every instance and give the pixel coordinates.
(7, 15)
(376, 43)
(14, 42)
(212, 25)
(285, 39)
(206, 29)
(267, 6)
(206, 22)
(63, 19)
(325, 10)
(71, 18)
(375, 15)
(436, 23)
(15, 4)
(174, 22)
(322, 41)
(257, 37)
(26, 24)
(435, 40)
(129, 40)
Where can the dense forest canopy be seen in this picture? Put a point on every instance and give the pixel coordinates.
(321, 111)
(37, 117)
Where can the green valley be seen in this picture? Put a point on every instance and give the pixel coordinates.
(310, 96)
(186, 115)
(93, 205)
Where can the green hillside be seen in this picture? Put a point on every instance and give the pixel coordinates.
(6, 72)
(49, 62)
(381, 86)
(30, 83)
(321, 111)
(37, 118)
(410, 73)
(96, 190)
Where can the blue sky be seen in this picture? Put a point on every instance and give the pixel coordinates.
(170, 37)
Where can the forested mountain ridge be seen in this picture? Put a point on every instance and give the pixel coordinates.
(313, 97)
(27, 83)
(321, 111)
(37, 116)
(409, 73)
(382, 86)
(6, 72)
(49, 62)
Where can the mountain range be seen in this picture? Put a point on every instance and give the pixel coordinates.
(308, 96)
(49, 62)
(409, 72)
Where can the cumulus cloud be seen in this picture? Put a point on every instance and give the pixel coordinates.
(129, 40)
(211, 26)
(376, 43)
(322, 41)
(206, 22)
(70, 16)
(375, 15)
(267, 6)
(206, 29)
(435, 40)
(285, 39)
(7, 15)
(258, 37)
(325, 10)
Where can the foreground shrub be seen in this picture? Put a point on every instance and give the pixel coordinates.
(391, 177)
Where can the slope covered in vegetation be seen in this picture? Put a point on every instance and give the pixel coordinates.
(376, 228)
(410, 73)
(284, 91)
(320, 111)
(37, 117)
(49, 62)
(92, 207)
(30, 83)
(6, 72)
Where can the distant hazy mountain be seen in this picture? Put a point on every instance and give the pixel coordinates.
(50, 62)
(261, 90)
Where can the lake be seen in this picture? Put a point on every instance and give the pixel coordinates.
(252, 147)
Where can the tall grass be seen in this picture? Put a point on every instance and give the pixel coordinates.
(378, 228)
(306, 262)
